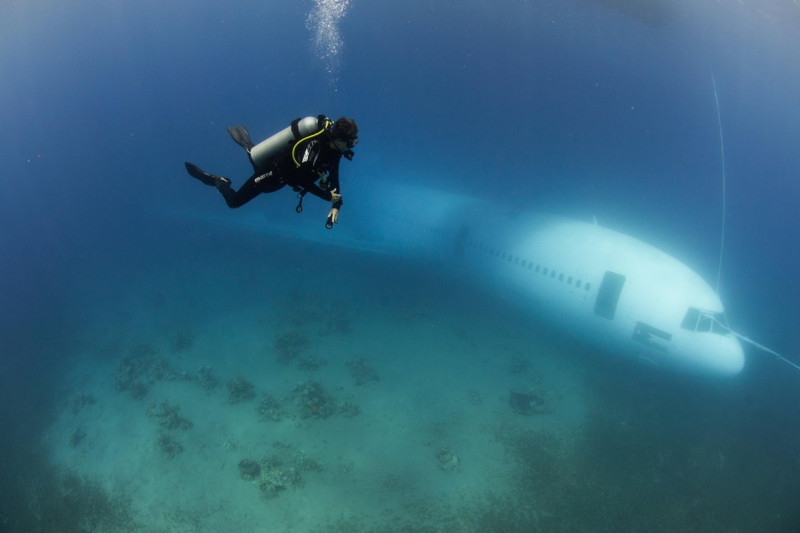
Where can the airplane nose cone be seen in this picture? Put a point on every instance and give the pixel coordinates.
(735, 358)
(727, 357)
(712, 355)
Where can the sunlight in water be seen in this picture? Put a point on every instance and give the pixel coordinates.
(323, 22)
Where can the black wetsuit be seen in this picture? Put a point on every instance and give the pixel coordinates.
(318, 160)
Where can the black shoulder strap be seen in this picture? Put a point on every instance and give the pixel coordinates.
(295, 128)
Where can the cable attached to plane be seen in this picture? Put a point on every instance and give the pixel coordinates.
(722, 157)
(724, 327)
(765, 349)
(722, 237)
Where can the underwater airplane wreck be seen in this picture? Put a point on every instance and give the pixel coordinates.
(596, 285)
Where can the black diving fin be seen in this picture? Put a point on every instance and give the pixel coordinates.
(241, 137)
(208, 179)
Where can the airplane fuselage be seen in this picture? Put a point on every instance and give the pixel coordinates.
(597, 285)
(601, 286)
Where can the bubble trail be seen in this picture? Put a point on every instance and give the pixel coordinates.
(326, 40)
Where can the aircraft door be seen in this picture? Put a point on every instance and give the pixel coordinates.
(608, 295)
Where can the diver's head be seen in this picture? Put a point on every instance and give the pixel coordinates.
(344, 134)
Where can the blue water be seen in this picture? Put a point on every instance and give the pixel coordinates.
(577, 107)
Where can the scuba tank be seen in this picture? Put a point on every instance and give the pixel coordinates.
(300, 129)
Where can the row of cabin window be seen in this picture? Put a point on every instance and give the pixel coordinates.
(524, 262)
(538, 268)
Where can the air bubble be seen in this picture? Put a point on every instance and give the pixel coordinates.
(326, 40)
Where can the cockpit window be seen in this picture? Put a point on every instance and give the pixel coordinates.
(690, 319)
(705, 321)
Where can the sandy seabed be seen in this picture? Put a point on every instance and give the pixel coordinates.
(386, 410)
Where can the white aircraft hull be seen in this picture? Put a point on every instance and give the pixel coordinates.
(597, 285)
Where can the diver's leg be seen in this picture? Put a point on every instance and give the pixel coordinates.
(257, 183)
(204, 177)
(246, 192)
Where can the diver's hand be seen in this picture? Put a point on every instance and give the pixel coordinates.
(333, 215)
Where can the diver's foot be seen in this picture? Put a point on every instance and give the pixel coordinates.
(206, 178)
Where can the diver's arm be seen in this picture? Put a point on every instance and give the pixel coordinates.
(328, 196)
(336, 197)
(333, 175)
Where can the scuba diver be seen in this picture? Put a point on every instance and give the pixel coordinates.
(304, 156)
